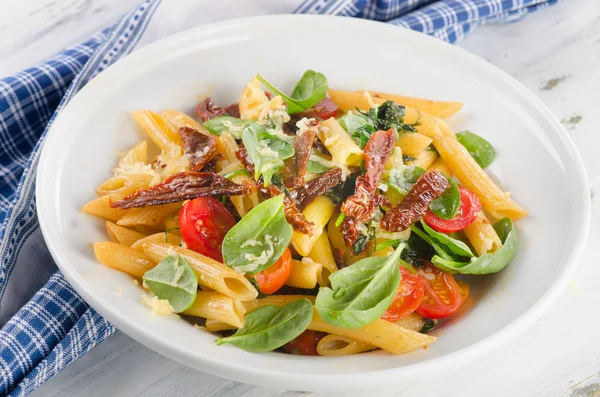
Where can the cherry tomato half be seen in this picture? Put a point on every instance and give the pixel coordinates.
(408, 298)
(324, 110)
(442, 294)
(467, 212)
(304, 344)
(464, 290)
(203, 224)
(275, 276)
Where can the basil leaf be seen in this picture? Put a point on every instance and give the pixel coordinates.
(233, 125)
(481, 150)
(446, 206)
(173, 279)
(352, 122)
(315, 167)
(309, 91)
(360, 293)
(270, 327)
(231, 174)
(266, 151)
(437, 247)
(386, 244)
(403, 178)
(487, 263)
(455, 246)
(258, 239)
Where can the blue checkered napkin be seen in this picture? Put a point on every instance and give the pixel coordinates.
(44, 324)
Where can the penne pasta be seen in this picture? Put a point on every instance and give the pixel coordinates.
(160, 237)
(444, 127)
(380, 333)
(125, 259)
(217, 326)
(159, 130)
(424, 160)
(344, 151)
(319, 212)
(123, 185)
(482, 235)
(435, 108)
(137, 154)
(122, 235)
(211, 273)
(277, 300)
(148, 216)
(305, 273)
(179, 120)
(413, 322)
(253, 100)
(218, 308)
(495, 201)
(321, 253)
(413, 143)
(440, 166)
(338, 345)
(101, 207)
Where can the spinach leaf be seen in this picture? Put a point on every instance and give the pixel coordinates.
(388, 115)
(231, 174)
(437, 247)
(403, 178)
(309, 91)
(481, 150)
(315, 167)
(446, 206)
(266, 151)
(258, 239)
(358, 128)
(173, 279)
(416, 249)
(386, 244)
(361, 292)
(270, 327)
(487, 263)
(455, 246)
(428, 326)
(226, 123)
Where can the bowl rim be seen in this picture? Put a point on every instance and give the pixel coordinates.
(330, 382)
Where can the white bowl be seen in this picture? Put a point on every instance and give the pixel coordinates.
(536, 162)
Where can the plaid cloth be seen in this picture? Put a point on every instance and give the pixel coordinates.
(45, 324)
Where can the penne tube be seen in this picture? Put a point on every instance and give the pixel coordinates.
(125, 259)
(122, 235)
(338, 345)
(413, 143)
(160, 237)
(319, 212)
(494, 201)
(380, 333)
(216, 325)
(217, 307)
(101, 207)
(148, 216)
(321, 253)
(179, 120)
(482, 235)
(137, 154)
(123, 185)
(444, 128)
(305, 273)
(159, 130)
(413, 322)
(344, 151)
(424, 160)
(396, 160)
(435, 108)
(211, 273)
(440, 166)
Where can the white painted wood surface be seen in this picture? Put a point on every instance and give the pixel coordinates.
(555, 53)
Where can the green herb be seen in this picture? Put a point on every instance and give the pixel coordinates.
(437, 247)
(408, 266)
(452, 245)
(403, 178)
(270, 327)
(358, 127)
(173, 279)
(317, 167)
(360, 293)
(481, 150)
(388, 115)
(231, 174)
(428, 326)
(342, 190)
(309, 91)
(406, 158)
(446, 206)
(259, 238)
(233, 125)
(385, 244)
(487, 263)
(340, 219)
(266, 151)
(416, 249)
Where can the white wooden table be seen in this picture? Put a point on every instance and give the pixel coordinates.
(555, 53)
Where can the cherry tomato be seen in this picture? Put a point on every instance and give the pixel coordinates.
(324, 110)
(464, 290)
(304, 344)
(275, 276)
(467, 212)
(408, 298)
(442, 294)
(203, 224)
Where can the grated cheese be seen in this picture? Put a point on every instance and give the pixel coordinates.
(161, 307)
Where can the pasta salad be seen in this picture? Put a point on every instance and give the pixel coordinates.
(323, 222)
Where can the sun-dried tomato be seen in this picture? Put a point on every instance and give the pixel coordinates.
(199, 148)
(318, 186)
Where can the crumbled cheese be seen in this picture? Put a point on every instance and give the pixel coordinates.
(427, 274)
(125, 169)
(135, 282)
(253, 100)
(487, 243)
(145, 285)
(304, 125)
(331, 140)
(161, 307)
